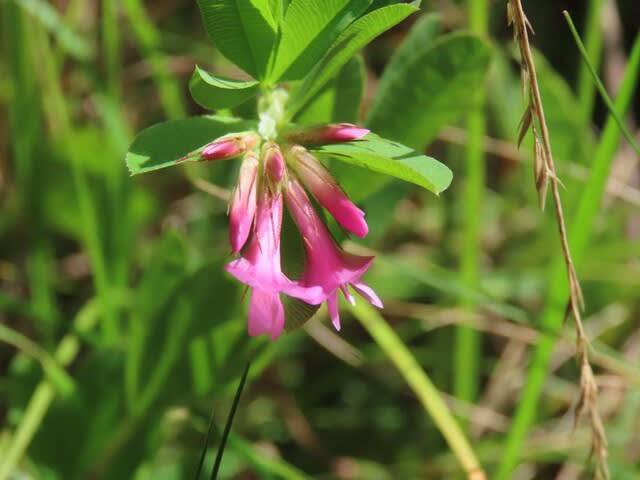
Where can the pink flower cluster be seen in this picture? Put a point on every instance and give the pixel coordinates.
(270, 178)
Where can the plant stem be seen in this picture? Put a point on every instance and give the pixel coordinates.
(593, 41)
(554, 312)
(422, 386)
(149, 39)
(227, 427)
(467, 355)
(45, 392)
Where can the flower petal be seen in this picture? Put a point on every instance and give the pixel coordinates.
(266, 314)
(332, 305)
(367, 292)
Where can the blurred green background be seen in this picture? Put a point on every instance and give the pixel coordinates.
(119, 330)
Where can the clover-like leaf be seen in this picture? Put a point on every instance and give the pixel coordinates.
(164, 144)
(213, 92)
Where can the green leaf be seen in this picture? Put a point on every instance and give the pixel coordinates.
(340, 100)
(349, 90)
(429, 88)
(164, 144)
(352, 39)
(243, 31)
(308, 30)
(212, 92)
(393, 159)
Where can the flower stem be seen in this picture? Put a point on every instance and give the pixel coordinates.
(422, 386)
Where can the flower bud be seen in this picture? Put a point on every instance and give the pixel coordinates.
(326, 190)
(243, 204)
(335, 133)
(274, 162)
(229, 146)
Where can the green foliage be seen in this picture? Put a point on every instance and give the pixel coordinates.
(212, 92)
(308, 29)
(120, 329)
(165, 144)
(243, 31)
(352, 39)
(393, 159)
(431, 82)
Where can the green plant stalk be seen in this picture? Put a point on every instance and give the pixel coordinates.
(266, 465)
(111, 47)
(60, 121)
(579, 233)
(598, 84)
(420, 383)
(45, 392)
(229, 422)
(149, 39)
(467, 354)
(54, 372)
(115, 124)
(593, 41)
(25, 119)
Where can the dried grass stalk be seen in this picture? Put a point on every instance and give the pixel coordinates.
(545, 176)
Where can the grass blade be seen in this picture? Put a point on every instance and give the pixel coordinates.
(598, 83)
(467, 341)
(422, 386)
(580, 231)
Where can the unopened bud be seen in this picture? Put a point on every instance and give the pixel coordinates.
(318, 135)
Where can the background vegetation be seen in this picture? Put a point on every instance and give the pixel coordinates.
(119, 329)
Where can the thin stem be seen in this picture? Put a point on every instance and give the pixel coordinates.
(422, 386)
(227, 427)
(554, 312)
(598, 84)
(593, 41)
(149, 39)
(467, 357)
(44, 393)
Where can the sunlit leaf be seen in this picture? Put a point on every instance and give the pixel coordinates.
(427, 89)
(308, 30)
(213, 92)
(164, 144)
(390, 158)
(243, 30)
(352, 39)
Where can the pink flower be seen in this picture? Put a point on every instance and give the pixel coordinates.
(243, 204)
(259, 267)
(327, 191)
(336, 133)
(326, 265)
(274, 162)
(229, 146)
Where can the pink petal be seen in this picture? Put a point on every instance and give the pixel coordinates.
(324, 187)
(229, 146)
(320, 134)
(266, 314)
(347, 294)
(274, 162)
(367, 292)
(332, 305)
(243, 204)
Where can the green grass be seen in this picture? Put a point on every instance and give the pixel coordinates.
(120, 330)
